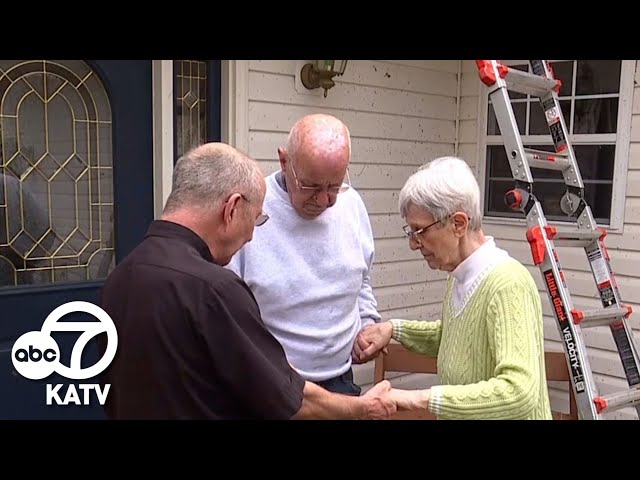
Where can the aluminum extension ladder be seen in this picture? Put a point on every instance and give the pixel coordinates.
(499, 79)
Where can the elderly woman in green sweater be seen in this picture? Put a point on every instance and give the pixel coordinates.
(489, 341)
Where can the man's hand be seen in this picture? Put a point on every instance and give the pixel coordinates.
(378, 401)
(370, 341)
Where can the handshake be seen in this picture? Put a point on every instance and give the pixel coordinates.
(382, 401)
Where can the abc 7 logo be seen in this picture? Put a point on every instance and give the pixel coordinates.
(36, 354)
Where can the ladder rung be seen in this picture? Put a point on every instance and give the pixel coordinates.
(573, 237)
(600, 316)
(547, 160)
(617, 400)
(524, 82)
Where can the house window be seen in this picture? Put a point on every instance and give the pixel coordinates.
(595, 100)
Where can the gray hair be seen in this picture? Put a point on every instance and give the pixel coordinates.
(207, 175)
(442, 187)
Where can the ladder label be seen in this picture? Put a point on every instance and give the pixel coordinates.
(601, 274)
(558, 136)
(599, 267)
(567, 332)
(552, 115)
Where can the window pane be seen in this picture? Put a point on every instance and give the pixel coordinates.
(598, 196)
(598, 76)
(599, 115)
(537, 121)
(519, 111)
(549, 194)
(56, 175)
(190, 81)
(595, 161)
(564, 72)
(498, 163)
(496, 190)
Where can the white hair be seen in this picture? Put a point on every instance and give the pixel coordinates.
(442, 187)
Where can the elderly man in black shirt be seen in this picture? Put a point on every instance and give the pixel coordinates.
(191, 342)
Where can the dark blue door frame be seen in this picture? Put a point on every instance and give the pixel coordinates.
(129, 88)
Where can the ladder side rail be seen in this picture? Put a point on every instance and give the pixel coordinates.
(600, 265)
(544, 256)
(557, 127)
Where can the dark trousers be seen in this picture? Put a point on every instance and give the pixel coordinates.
(342, 384)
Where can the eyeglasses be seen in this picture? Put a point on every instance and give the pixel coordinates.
(414, 233)
(331, 190)
(262, 218)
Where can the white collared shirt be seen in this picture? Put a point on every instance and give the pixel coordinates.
(473, 269)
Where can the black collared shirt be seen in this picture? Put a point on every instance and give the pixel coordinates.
(191, 342)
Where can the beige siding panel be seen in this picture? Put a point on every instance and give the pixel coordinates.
(634, 155)
(380, 201)
(279, 89)
(395, 249)
(401, 296)
(371, 150)
(470, 84)
(629, 289)
(625, 262)
(469, 108)
(632, 211)
(633, 183)
(468, 131)
(387, 226)
(274, 118)
(469, 153)
(450, 66)
(469, 66)
(399, 77)
(269, 166)
(398, 273)
(431, 311)
(285, 67)
(264, 145)
(635, 128)
(635, 108)
(380, 176)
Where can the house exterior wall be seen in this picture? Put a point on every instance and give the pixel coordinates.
(401, 114)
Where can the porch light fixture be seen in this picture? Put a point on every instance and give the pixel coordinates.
(320, 73)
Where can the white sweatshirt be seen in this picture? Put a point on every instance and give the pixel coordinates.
(311, 279)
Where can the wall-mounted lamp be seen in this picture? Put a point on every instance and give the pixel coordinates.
(320, 73)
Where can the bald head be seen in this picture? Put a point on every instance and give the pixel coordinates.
(315, 162)
(206, 175)
(320, 141)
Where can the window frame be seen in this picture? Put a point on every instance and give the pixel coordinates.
(621, 158)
